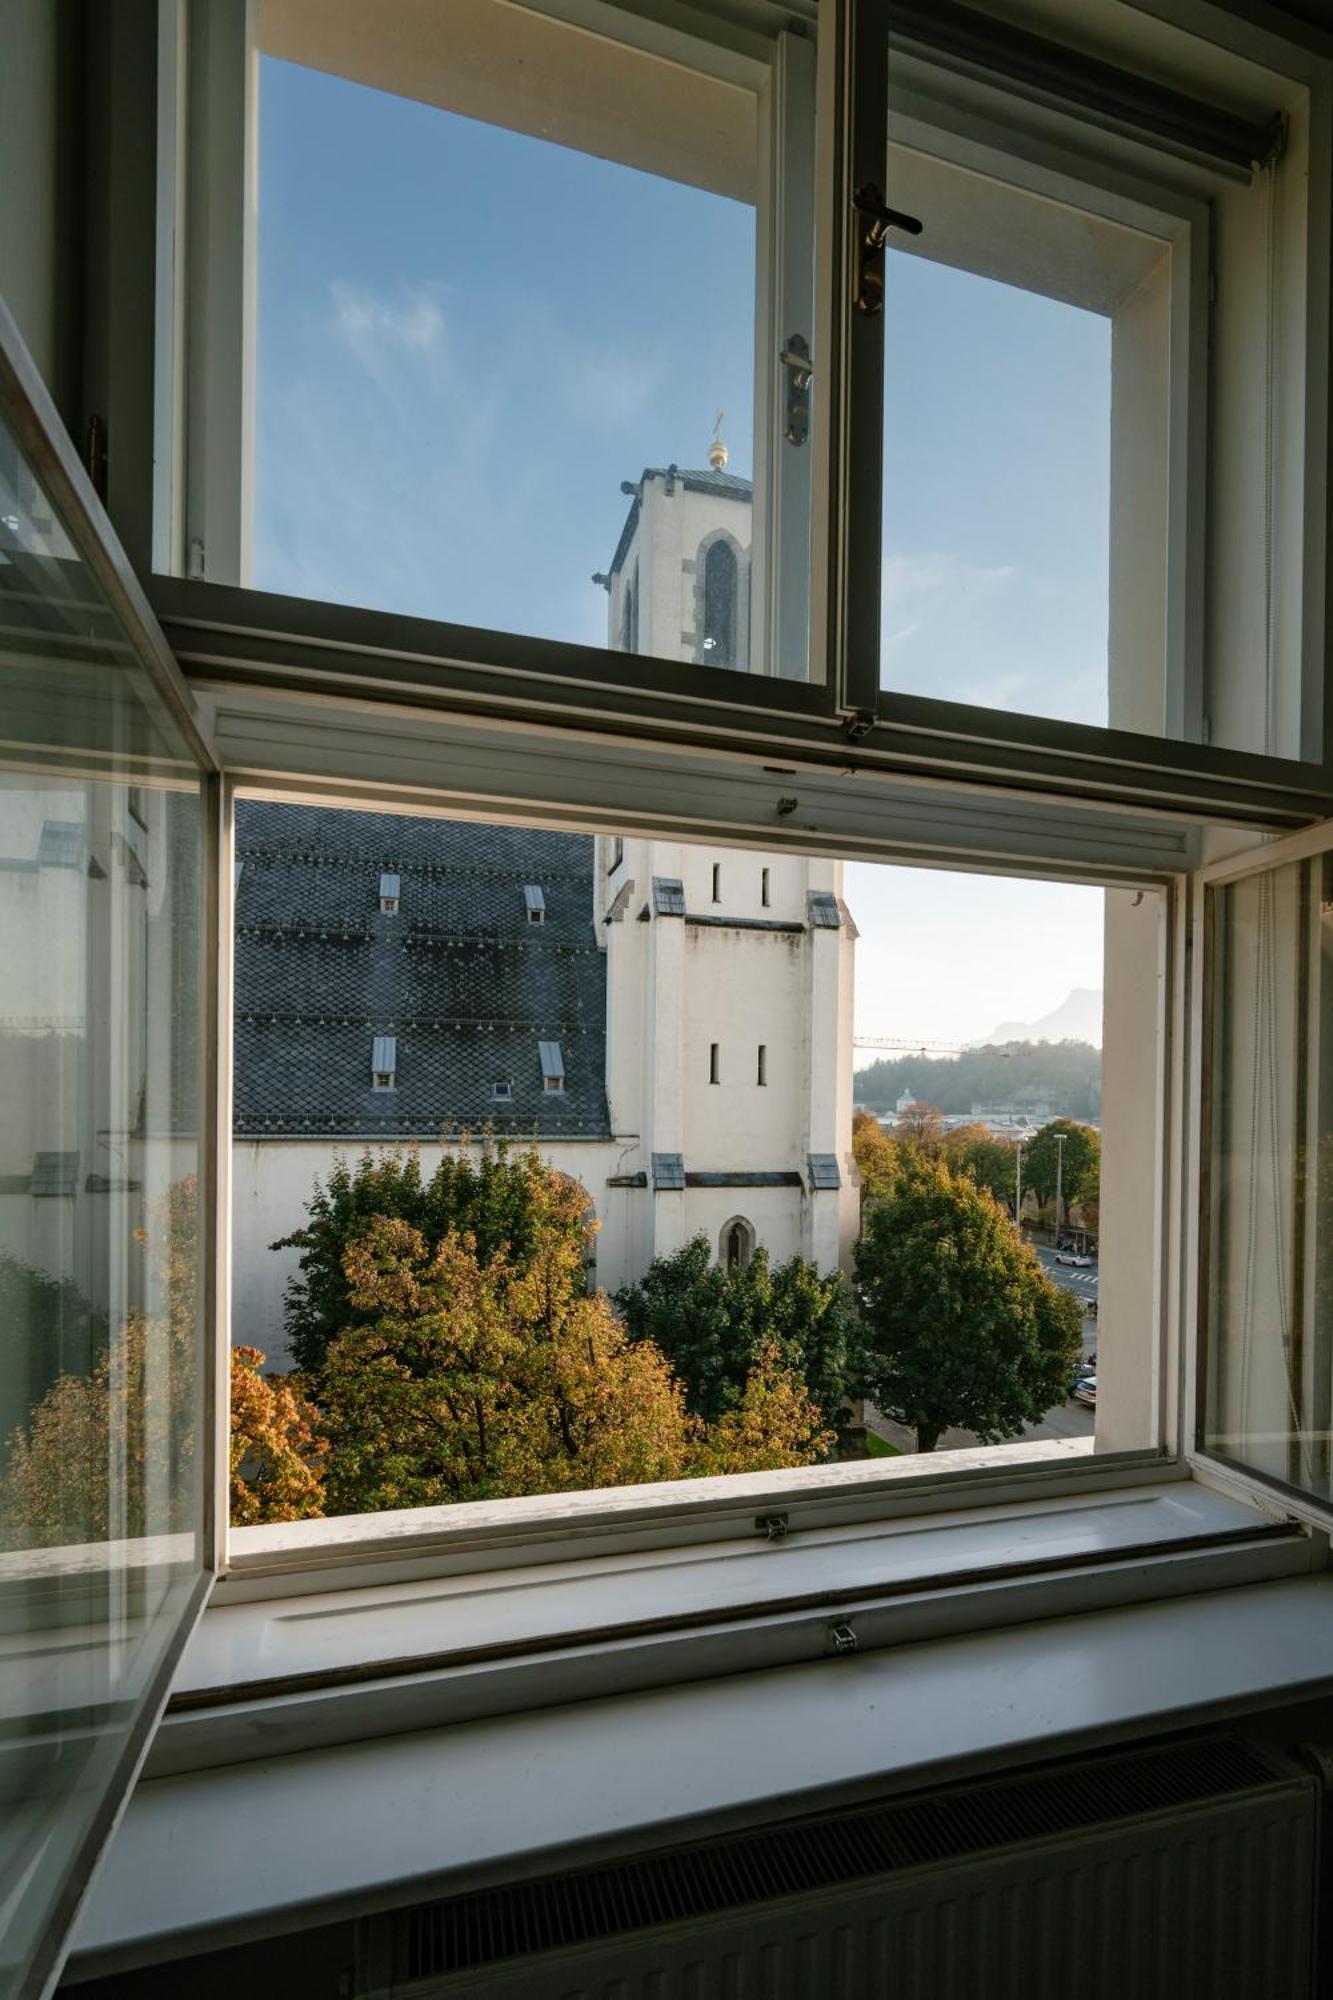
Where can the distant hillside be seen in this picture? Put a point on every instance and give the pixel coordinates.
(1078, 1018)
(1023, 1076)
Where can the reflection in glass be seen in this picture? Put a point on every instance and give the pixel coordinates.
(1270, 1165)
(100, 1445)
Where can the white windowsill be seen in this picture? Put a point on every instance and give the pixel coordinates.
(315, 1669)
(217, 1856)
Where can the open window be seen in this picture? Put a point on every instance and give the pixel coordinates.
(107, 1514)
(1265, 1381)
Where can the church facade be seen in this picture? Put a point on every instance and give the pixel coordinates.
(670, 1024)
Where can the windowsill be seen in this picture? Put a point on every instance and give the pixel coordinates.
(347, 1664)
(216, 1856)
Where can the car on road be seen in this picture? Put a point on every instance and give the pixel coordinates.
(1085, 1390)
(1074, 1257)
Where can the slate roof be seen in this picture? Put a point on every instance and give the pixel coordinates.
(465, 984)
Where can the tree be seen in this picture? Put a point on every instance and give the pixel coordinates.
(133, 1410)
(502, 1200)
(277, 1452)
(467, 1379)
(961, 1325)
(876, 1155)
(1080, 1177)
(713, 1325)
(920, 1127)
(990, 1161)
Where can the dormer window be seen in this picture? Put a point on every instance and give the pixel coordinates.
(384, 1062)
(502, 1091)
(390, 890)
(553, 1067)
(536, 903)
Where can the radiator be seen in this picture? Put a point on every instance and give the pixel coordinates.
(1176, 1870)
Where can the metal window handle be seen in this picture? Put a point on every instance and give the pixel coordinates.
(877, 221)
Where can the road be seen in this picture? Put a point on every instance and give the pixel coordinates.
(1067, 1419)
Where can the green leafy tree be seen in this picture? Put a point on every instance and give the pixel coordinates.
(503, 1200)
(988, 1160)
(1081, 1174)
(962, 1327)
(471, 1380)
(713, 1324)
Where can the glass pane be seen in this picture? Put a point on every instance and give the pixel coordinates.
(507, 305)
(563, 1170)
(1269, 1267)
(101, 1468)
(1094, 412)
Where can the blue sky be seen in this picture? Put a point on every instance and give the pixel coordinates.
(469, 338)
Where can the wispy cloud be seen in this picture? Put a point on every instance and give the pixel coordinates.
(375, 327)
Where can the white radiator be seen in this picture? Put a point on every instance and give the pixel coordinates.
(1176, 1870)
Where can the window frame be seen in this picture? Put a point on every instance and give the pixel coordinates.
(321, 666)
(1227, 1473)
(632, 1522)
(840, 706)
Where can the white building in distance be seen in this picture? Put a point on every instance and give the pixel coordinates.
(671, 1024)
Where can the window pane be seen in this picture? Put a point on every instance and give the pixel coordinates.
(632, 1158)
(507, 308)
(100, 1443)
(1095, 405)
(1271, 1112)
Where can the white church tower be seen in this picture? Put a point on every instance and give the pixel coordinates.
(729, 974)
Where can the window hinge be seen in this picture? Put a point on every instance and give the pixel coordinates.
(773, 1527)
(795, 358)
(842, 1639)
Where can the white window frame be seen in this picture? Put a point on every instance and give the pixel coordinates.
(631, 1522)
(837, 715)
(1227, 1473)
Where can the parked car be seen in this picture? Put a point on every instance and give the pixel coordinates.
(1085, 1390)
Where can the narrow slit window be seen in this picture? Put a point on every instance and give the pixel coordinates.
(717, 881)
(763, 887)
(713, 1063)
(761, 1065)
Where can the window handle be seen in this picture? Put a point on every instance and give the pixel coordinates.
(876, 222)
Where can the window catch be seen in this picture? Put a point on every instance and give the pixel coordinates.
(773, 1527)
(876, 221)
(795, 358)
(857, 722)
(842, 1639)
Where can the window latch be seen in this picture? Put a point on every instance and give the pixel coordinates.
(876, 222)
(795, 358)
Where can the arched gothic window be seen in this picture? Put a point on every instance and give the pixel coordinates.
(736, 1247)
(721, 589)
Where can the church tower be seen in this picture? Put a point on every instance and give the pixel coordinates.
(729, 971)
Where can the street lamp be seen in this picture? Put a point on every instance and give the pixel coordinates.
(1060, 1138)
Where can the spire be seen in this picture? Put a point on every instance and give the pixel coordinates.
(717, 451)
